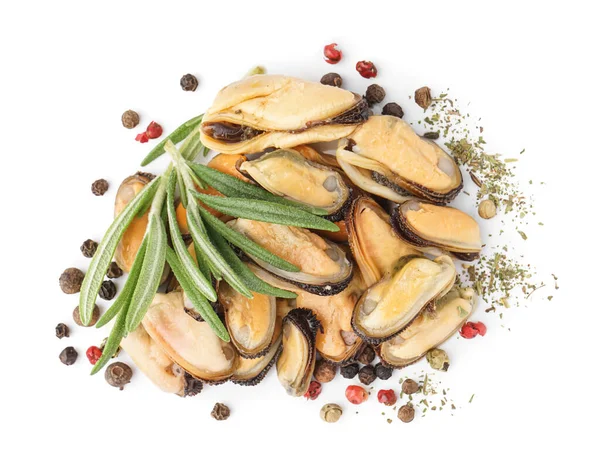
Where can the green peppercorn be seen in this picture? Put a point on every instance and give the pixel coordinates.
(330, 413)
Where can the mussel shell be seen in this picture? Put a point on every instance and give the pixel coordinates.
(296, 362)
(375, 246)
(427, 331)
(288, 174)
(390, 305)
(250, 372)
(303, 248)
(427, 225)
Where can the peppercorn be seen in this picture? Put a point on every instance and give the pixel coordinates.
(188, 83)
(95, 316)
(332, 54)
(154, 130)
(487, 209)
(367, 355)
(103, 343)
(349, 371)
(93, 354)
(314, 390)
(114, 271)
(406, 413)
(130, 119)
(367, 375)
(108, 290)
(383, 372)
(438, 359)
(431, 135)
(324, 371)
(471, 329)
(88, 248)
(410, 386)
(68, 356)
(366, 69)
(118, 374)
(192, 386)
(220, 412)
(423, 97)
(386, 397)
(330, 413)
(375, 94)
(99, 187)
(70, 280)
(356, 394)
(62, 331)
(333, 79)
(393, 109)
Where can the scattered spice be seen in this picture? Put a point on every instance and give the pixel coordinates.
(95, 316)
(366, 69)
(62, 331)
(114, 271)
(256, 70)
(93, 354)
(438, 359)
(142, 137)
(523, 235)
(386, 397)
(423, 97)
(382, 372)
(470, 329)
(99, 187)
(375, 94)
(393, 109)
(188, 83)
(356, 395)
(367, 355)
(220, 412)
(68, 356)
(192, 386)
(108, 290)
(88, 248)
(332, 54)
(154, 130)
(333, 79)
(431, 135)
(118, 374)
(349, 371)
(410, 386)
(367, 375)
(314, 390)
(70, 280)
(330, 413)
(324, 371)
(487, 209)
(130, 119)
(406, 413)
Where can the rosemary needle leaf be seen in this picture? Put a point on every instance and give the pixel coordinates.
(252, 281)
(200, 303)
(193, 272)
(150, 275)
(266, 211)
(103, 256)
(112, 343)
(236, 188)
(192, 146)
(246, 244)
(124, 298)
(176, 136)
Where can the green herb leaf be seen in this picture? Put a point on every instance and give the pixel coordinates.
(200, 303)
(236, 188)
(112, 343)
(192, 146)
(266, 211)
(103, 256)
(246, 244)
(176, 136)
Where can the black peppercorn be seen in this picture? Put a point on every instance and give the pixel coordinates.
(99, 187)
(95, 316)
(114, 271)
(423, 97)
(375, 94)
(393, 109)
(406, 413)
(349, 371)
(220, 412)
(383, 372)
(367, 355)
(333, 79)
(108, 290)
(410, 386)
(431, 135)
(62, 331)
(192, 387)
(118, 374)
(88, 248)
(189, 83)
(366, 375)
(130, 119)
(70, 280)
(68, 356)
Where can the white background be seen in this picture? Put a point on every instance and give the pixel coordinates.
(69, 69)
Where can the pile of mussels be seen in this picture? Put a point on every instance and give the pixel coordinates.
(387, 278)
